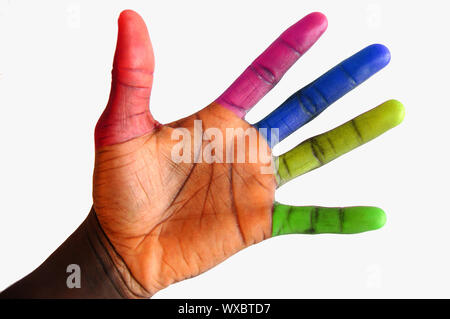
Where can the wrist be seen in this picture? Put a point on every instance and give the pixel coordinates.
(113, 264)
(100, 271)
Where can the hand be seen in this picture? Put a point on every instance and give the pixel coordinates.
(169, 221)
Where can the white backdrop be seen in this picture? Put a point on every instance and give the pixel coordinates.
(55, 61)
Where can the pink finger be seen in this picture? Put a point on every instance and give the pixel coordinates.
(265, 72)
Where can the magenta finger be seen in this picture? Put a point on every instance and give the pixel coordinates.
(264, 73)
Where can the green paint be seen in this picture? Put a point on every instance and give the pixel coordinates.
(328, 146)
(318, 220)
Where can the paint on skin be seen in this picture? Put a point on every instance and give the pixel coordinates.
(310, 101)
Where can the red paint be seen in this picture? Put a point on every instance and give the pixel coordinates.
(127, 113)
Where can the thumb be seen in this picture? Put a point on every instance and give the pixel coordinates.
(127, 114)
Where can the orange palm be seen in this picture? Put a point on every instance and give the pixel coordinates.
(173, 221)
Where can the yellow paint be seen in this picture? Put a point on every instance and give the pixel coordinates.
(326, 147)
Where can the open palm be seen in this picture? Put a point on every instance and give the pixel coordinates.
(170, 220)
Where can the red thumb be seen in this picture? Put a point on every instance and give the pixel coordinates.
(127, 113)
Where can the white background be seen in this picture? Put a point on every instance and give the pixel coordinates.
(55, 60)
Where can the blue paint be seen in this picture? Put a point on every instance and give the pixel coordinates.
(310, 101)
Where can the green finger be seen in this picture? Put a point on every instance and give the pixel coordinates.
(326, 147)
(319, 220)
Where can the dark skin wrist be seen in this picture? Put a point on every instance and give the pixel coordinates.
(102, 272)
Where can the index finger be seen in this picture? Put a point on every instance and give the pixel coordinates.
(265, 72)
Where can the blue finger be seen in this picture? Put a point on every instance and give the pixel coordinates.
(310, 101)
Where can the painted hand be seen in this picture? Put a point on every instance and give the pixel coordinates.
(169, 220)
